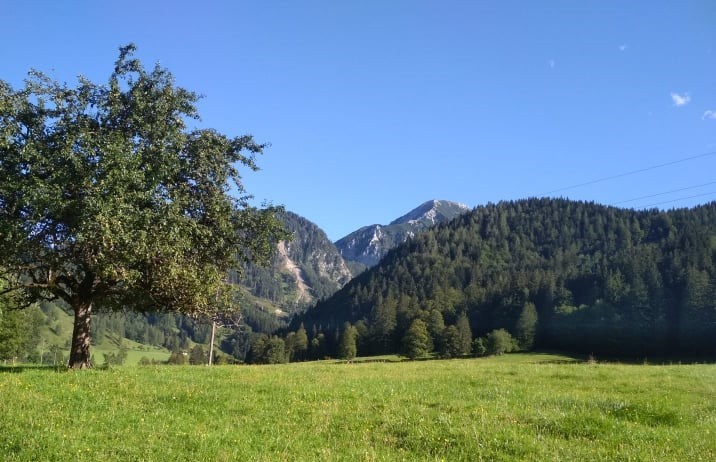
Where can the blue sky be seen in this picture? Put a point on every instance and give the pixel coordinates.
(373, 107)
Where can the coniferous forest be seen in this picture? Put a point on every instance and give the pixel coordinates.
(536, 274)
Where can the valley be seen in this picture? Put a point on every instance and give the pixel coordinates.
(598, 280)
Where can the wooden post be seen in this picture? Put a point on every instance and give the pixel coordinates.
(211, 345)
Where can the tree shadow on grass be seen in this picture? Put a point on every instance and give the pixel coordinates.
(9, 369)
(547, 357)
(634, 360)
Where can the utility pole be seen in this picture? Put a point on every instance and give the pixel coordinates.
(211, 344)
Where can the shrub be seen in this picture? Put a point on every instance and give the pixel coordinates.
(499, 341)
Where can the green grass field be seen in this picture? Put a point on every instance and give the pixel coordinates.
(135, 352)
(516, 407)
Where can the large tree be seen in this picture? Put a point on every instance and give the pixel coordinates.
(108, 200)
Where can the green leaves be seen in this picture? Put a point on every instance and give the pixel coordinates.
(106, 196)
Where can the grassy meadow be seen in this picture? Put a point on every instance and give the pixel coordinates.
(515, 407)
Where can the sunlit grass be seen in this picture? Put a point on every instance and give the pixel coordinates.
(518, 407)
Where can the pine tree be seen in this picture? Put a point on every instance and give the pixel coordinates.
(416, 341)
(603, 280)
(197, 355)
(275, 351)
(13, 334)
(300, 343)
(436, 325)
(290, 344)
(450, 343)
(527, 326)
(347, 346)
(465, 334)
(383, 324)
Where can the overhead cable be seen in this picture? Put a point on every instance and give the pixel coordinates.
(664, 193)
(633, 172)
(677, 200)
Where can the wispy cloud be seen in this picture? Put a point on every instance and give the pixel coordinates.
(680, 100)
(710, 114)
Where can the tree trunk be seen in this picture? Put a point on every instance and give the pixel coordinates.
(81, 339)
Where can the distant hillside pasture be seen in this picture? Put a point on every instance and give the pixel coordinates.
(514, 407)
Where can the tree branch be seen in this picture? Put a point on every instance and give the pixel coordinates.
(53, 289)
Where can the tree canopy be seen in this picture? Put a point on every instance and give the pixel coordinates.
(108, 200)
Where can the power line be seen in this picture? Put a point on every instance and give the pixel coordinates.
(677, 200)
(633, 172)
(664, 193)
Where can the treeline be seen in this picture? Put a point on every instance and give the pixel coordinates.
(579, 276)
(41, 334)
(20, 336)
(263, 290)
(423, 337)
(23, 338)
(537, 273)
(169, 330)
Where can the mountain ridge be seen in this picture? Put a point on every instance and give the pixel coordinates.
(302, 271)
(368, 244)
(433, 211)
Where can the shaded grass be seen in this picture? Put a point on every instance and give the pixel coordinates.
(518, 407)
(135, 352)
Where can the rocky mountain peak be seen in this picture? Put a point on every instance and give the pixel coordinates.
(369, 244)
(432, 212)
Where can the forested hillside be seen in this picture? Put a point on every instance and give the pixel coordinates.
(303, 270)
(552, 272)
(41, 333)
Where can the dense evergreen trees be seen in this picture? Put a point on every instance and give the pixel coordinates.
(19, 330)
(267, 350)
(538, 273)
(554, 273)
(297, 344)
(19, 333)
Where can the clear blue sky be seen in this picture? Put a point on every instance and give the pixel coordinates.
(373, 107)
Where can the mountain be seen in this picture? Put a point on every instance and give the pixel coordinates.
(313, 260)
(369, 244)
(306, 269)
(310, 267)
(588, 278)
